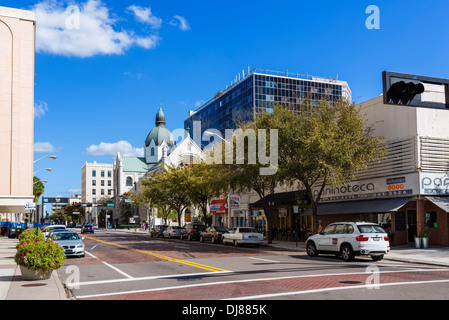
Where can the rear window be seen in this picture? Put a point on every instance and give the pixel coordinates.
(246, 230)
(371, 229)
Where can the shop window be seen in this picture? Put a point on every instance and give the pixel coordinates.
(431, 219)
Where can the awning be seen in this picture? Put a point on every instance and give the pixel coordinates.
(441, 202)
(284, 199)
(353, 207)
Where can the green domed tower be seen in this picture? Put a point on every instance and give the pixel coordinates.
(158, 139)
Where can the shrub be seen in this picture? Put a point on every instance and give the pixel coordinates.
(41, 254)
(29, 235)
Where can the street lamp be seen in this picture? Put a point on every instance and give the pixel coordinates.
(214, 134)
(51, 157)
(48, 169)
(40, 181)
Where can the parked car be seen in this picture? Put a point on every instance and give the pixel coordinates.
(95, 226)
(242, 236)
(71, 242)
(172, 232)
(87, 228)
(46, 230)
(70, 225)
(350, 239)
(157, 231)
(53, 231)
(192, 231)
(213, 234)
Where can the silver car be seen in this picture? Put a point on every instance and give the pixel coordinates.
(172, 232)
(71, 242)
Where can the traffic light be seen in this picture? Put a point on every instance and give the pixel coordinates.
(88, 205)
(403, 93)
(77, 205)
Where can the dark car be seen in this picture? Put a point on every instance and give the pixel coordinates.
(192, 231)
(157, 231)
(213, 234)
(87, 228)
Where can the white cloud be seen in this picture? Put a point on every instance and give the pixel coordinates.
(74, 191)
(144, 15)
(44, 147)
(83, 30)
(124, 147)
(181, 22)
(40, 109)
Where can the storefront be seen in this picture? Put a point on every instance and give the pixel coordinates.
(403, 205)
(286, 213)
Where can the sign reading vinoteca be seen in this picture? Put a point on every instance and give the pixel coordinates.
(371, 189)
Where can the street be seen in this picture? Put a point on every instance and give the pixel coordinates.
(133, 266)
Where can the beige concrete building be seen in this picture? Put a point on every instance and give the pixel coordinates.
(17, 53)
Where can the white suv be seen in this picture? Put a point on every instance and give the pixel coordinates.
(350, 239)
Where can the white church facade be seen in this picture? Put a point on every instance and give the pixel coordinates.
(160, 150)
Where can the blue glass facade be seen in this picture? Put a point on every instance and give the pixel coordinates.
(259, 92)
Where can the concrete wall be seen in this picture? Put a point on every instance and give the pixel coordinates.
(17, 49)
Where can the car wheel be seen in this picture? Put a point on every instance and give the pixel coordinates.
(377, 258)
(311, 249)
(346, 253)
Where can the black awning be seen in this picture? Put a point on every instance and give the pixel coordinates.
(353, 207)
(293, 198)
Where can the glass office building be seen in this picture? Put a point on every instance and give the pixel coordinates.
(259, 91)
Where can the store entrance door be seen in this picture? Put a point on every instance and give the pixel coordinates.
(411, 225)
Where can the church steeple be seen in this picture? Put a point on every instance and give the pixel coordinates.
(160, 118)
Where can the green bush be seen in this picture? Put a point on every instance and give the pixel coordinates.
(41, 254)
(29, 235)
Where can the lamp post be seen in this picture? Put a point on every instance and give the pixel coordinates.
(209, 134)
(48, 169)
(51, 157)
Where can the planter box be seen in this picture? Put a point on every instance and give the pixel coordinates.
(418, 243)
(425, 243)
(32, 275)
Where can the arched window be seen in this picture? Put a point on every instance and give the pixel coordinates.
(152, 152)
(129, 182)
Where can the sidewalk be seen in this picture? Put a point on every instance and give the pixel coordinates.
(12, 287)
(437, 256)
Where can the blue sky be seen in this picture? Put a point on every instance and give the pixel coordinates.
(101, 82)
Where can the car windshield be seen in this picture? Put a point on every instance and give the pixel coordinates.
(222, 229)
(198, 226)
(371, 229)
(56, 228)
(177, 228)
(65, 236)
(246, 230)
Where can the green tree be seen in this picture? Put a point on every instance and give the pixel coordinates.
(202, 184)
(251, 143)
(324, 144)
(38, 188)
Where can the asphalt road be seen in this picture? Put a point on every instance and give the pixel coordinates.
(127, 266)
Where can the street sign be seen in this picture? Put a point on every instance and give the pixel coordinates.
(30, 206)
(110, 204)
(234, 202)
(56, 200)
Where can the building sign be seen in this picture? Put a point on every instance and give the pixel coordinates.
(386, 187)
(218, 206)
(234, 202)
(30, 206)
(434, 183)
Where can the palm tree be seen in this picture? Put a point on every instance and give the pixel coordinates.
(38, 188)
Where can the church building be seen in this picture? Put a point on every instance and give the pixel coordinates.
(160, 149)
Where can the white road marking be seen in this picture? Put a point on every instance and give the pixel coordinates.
(241, 281)
(110, 266)
(264, 260)
(368, 286)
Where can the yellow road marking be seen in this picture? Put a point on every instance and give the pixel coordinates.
(160, 256)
